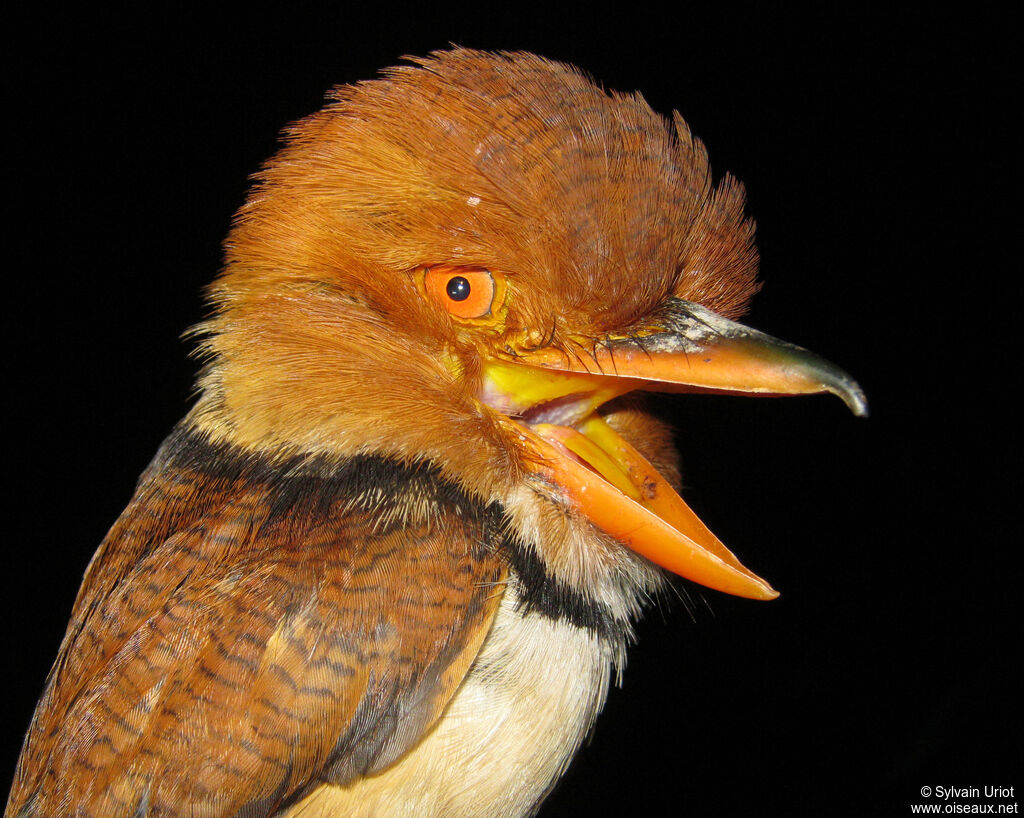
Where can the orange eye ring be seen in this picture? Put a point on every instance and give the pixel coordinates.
(465, 292)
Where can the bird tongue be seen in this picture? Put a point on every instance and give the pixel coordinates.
(623, 494)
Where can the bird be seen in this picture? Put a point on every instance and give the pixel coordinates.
(390, 561)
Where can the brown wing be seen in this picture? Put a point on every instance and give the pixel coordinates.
(248, 630)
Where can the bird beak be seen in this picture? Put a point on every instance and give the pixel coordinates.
(550, 400)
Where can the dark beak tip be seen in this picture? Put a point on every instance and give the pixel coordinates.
(853, 396)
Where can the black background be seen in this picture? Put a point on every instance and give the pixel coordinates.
(872, 156)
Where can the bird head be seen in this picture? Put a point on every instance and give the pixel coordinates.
(471, 261)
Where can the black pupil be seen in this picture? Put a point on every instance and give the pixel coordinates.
(458, 289)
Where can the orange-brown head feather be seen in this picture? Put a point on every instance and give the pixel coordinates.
(594, 207)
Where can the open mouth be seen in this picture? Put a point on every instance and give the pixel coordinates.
(552, 400)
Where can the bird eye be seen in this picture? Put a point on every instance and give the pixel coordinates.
(458, 288)
(463, 291)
